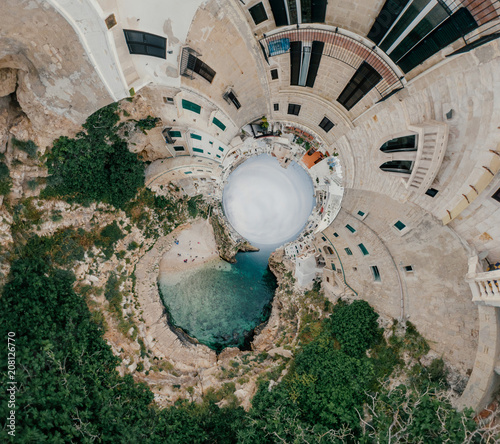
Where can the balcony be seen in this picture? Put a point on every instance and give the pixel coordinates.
(432, 142)
(485, 286)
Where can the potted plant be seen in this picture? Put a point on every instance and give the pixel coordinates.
(264, 124)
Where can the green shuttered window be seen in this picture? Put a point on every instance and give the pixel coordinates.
(218, 123)
(186, 104)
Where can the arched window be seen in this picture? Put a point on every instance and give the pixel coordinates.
(328, 249)
(405, 143)
(397, 166)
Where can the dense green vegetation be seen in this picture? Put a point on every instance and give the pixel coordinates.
(96, 166)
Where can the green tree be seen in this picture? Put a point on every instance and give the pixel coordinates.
(68, 388)
(96, 165)
(354, 326)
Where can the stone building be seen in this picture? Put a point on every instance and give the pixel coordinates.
(406, 93)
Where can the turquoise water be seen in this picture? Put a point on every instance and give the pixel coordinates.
(219, 303)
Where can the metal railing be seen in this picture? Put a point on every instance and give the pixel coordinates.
(341, 46)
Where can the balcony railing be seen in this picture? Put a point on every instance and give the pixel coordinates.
(485, 286)
(431, 145)
(340, 45)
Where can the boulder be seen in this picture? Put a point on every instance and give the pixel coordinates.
(8, 81)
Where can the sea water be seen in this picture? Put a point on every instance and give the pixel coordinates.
(218, 303)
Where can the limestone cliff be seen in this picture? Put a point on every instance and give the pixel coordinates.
(228, 248)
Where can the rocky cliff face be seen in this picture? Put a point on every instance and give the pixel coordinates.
(228, 248)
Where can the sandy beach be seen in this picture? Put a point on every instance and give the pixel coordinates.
(194, 246)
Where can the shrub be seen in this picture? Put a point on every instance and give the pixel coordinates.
(132, 246)
(29, 147)
(113, 294)
(32, 184)
(56, 216)
(412, 342)
(108, 237)
(146, 124)
(5, 180)
(26, 215)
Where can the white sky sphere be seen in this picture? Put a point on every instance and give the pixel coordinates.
(266, 203)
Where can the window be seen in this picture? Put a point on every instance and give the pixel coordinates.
(258, 13)
(363, 249)
(197, 150)
(328, 249)
(144, 43)
(186, 104)
(230, 97)
(385, 19)
(412, 31)
(327, 279)
(279, 12)
(201, 68)
(276, 107)
(351, 229)
(363, 80)
(335, 234)
(399, 225)
(431, 192)
(408, 268)
(375, 273)
(294, 109)
(218, 123)
(456, 26)
(348, 251)
(195, 136)
(334, 268)
(304, 62)
(288, 12)
(326, 124)
(168, 100)
(360, 213)
(110, 21)
(397, 166)
(188, 172)
(218, 155)
(274, 74)
(178, 148)
(496, 196)
(405, 143)
(175, 134)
